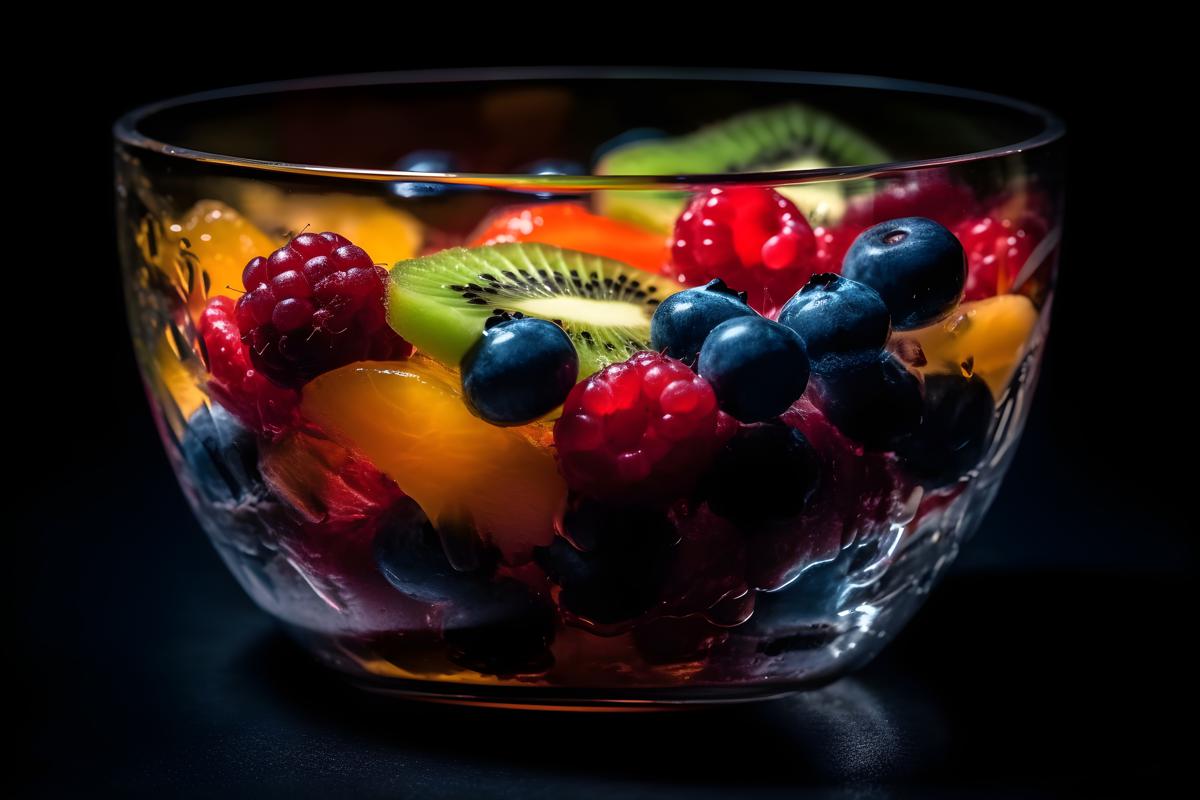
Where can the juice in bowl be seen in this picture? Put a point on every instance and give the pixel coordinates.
(589, 388)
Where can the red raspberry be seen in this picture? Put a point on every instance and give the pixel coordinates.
(315, 304)
(257, 403)
(918, 194)
(755, 239)
(640, 430)
(832, 243)
(336, 502)
(997, 246)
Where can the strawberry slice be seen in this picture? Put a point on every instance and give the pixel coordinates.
(573, 227)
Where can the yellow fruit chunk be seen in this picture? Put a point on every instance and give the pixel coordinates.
(204, 251)
(408, 419)
(181, 383)
(385, 232)
(987, 337)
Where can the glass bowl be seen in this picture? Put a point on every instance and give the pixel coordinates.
(409, 344)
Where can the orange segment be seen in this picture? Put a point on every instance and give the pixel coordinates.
(988, 335)
(171, 369)
(204, 251)
(407, 417)
(385, 232)
(573, 227)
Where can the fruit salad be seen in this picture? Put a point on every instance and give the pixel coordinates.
(620, 440)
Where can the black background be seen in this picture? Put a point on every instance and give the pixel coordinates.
(1049, 661)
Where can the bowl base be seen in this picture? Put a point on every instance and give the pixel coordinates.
(549, 698)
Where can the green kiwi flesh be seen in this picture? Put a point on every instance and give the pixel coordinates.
(441, 302)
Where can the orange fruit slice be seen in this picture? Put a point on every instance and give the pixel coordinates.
(572, 227)
(204, 251)
(987, 337)
(384, 231)
(407, 417)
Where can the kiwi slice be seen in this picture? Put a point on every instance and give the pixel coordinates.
(441, 302)
(792, 136)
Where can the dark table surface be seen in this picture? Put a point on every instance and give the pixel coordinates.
(1051, 660)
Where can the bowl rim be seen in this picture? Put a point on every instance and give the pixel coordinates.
(126, 128)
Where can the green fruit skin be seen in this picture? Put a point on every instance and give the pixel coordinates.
(747, 142)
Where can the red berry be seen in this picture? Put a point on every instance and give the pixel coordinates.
(640, 430)
(257, 403)
(313, 305)
(920, 194)
(832, 243)
(755, 239)
(334, 504)
(997, 246)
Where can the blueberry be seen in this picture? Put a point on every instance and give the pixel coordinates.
(425, 161)
(766, 471)
(840, 321)
(506, 631)
(954, 429)
(757, 367)
(628, 137)
(917, 266)
(555, 166)
(683, 321)
(519, 369)
(619, 574)
(222, 456)
(876, 404)
(412, 556)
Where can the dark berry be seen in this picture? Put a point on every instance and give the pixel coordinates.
(313, 305)
(753, 238)
(639, 430)
(953, 433)
(915, 264)
(840, 320)
(628, 137)
(757, 367)
(222, 456)
(240, 510)
(259, 404)
(441, 161)
(683, 321)
(876, 404)
(864, 488)
(620, 574)
(519, 370)
(554, 166)
(766, 471)
(411, 556)
(507, 631)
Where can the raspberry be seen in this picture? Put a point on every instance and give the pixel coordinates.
(919, 194)
(640, 430)
(335, 503)
(832, 243)
(997, 246)
(315, 304)
(257, 403)
(755, 239)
